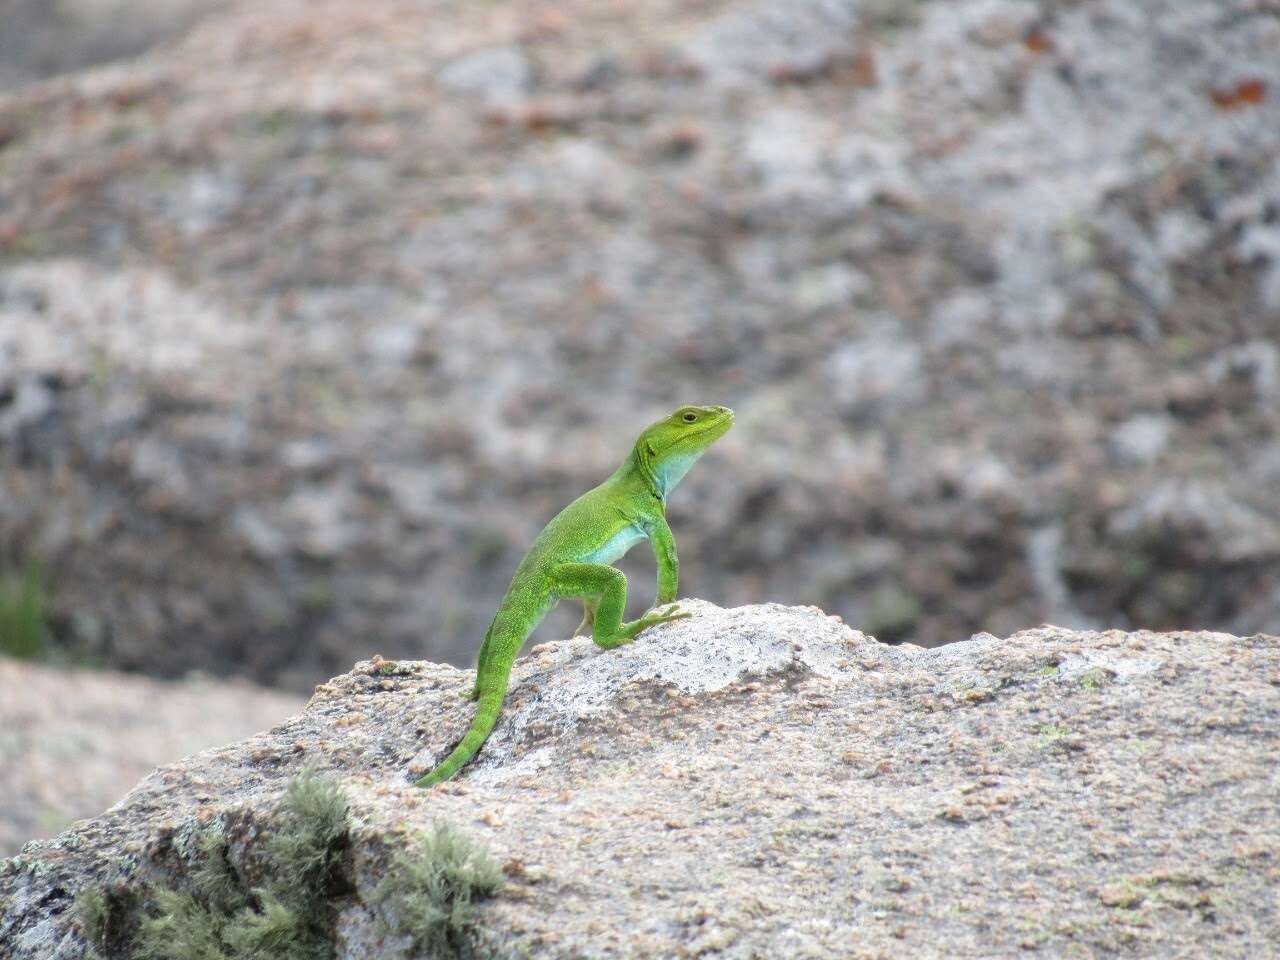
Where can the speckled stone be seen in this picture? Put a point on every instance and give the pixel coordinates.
(766, 782)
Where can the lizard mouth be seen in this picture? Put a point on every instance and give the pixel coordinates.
(715, 429)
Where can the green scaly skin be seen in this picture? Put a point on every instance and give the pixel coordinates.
(573, 557)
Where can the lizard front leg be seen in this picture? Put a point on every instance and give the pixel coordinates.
(663, 542)
(608, 588)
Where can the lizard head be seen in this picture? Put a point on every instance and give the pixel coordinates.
(670, 446)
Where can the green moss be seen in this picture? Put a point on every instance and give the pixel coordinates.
(285, 912)
(1095, 678)
(217, 913)
(24, 632)
(107, 916)
(1134, 918)
(1051, 733)
(309, 846)
(181, 928)
(1034, 936)
(430, 892)
(215, 878)
(280, 928)
(1181, 347)
(91, 910)
(1122, 895)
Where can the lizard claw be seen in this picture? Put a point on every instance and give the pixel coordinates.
(663, 609)
(668, 613)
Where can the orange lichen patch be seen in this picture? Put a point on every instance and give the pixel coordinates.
(1242, 94)
(863, 69)
(545, 113)
(1251, 91)
(1037, 41)
(858, 70)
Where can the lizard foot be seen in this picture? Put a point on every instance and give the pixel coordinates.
(665, 615)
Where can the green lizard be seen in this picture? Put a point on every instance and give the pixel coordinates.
(572, 557)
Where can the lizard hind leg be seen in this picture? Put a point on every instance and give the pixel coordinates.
(588, 618)
(607, 587)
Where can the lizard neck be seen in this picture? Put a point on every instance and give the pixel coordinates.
(638, 470)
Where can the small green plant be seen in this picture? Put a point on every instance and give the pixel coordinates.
(1134, 918)
(92, 910)
(1122, 894)
(1052, 733)
(308, 848)
(107, 916)
(1095, 678)
(1035, 936)
(285, 919)
(430, 892)
(182, 926)
(215, 878)
(24, 632)
(218, 914)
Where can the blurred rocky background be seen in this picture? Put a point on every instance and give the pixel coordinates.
(313, 313)
(73, 742)
(41, 38)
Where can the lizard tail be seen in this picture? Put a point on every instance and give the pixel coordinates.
(486, 716)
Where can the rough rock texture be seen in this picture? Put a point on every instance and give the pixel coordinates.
(39, 38)
(766, 782)
(72, 742)
(309, 321)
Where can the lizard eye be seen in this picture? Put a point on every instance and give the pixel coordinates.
(689, 417)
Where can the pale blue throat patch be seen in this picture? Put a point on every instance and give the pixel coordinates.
(617, 545)
(672, 470)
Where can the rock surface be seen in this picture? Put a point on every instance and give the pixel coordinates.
(74, 741)
(39, 38)
(308, 321)
(764, 781)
